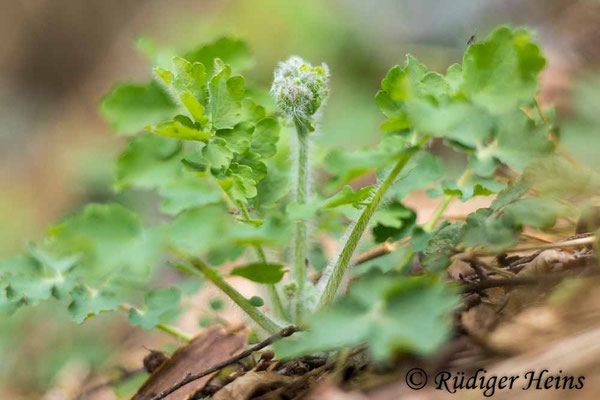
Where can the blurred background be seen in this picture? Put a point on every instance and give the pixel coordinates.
(59, 57)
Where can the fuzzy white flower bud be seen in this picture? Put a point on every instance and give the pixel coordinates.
(299, 88)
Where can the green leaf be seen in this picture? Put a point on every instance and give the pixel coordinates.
(160, 306)
(514, 191)
(440, 247)
(265, 137)
(188, 192)
(349, 196)
(275, 186)
(188, 83)
(149, 162)
(500, 73)
(129, 108)
(225, 102)
(197, 230)
(388, 315)
(242, 184)
(217, 154)
(484, 228)
(518, 142)
(393, 221)
(423, 171)
(89, 302)
(181, 128)
(238, 138)
(111, 241)
(260, 273)
(234, 52)
(474, 186)
(534, 211)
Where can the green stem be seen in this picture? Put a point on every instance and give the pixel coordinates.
(175, 332)
(274, 298)
(253, 312)
(334, 279)
(300, 238)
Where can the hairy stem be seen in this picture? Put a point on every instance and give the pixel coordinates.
(169, 329)
(334, 279)
(253, 312)
(300, 234)
(274, 298)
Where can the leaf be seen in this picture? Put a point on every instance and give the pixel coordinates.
(500, 72)
(225, 101)
(518, 142)
(234, 52)
(89, 302)
(111, 241)
(188, 84)
(197, 230)
(402, 85)
(260, 273)
(148, 162)
(160, 306)
(422, 171)
(181, 128)
(130, 107)
(484, 228)
(393, 221)
(539, 212)
(474, 186)
(188, 192)
(238, 138)
(388, 315)
(217, 154)
(241, 185)
(275, 186)
(510, 194)
(440, 247)
(30, 280)
(265, 137)
(349, 196)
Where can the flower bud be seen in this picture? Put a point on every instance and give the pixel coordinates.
(299, 88)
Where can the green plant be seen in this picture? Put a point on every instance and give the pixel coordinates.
(216, 153)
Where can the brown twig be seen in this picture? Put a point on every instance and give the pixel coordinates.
(188, 378)
(525, 280)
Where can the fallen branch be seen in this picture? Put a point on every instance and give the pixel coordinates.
(188, 378)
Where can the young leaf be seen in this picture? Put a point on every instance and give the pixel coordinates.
(260, 273)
